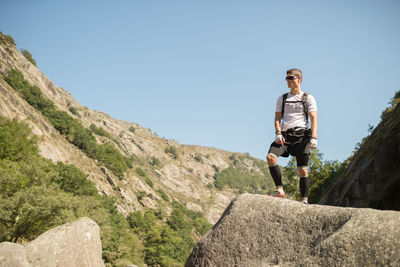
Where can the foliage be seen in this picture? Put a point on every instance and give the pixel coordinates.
(73, 180)
(198, 157)
(148, 181)
(140, 172)
(129, 162)
(155, 161)
(321, 174)
(7, 39)
(395, 99)
(16, 141)
(100, 131)
(240, 178)
(393, 103)
(28, 56)
(73, 110)
(132, 129)
(163, 195)
(172, 150)
(71, 128)
(37, 194)
(168, 244)
(215, 168)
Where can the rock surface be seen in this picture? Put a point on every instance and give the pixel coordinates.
(72, 244)
(13, 255)
(258, 230)
(373, 177)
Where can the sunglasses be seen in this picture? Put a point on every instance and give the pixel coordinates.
(291, 78)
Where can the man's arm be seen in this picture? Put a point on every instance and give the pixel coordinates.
(278, 128)
(278, 117)
(314, 124)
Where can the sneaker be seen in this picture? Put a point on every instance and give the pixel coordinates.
(279, 194)
(304, 201)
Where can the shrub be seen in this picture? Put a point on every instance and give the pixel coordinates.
(100, 131)
(163, 195)
(132, 129)
(28, 56)
(73, 180)
(73, 110)
(4, 38)
(155, 161)
(129, 162)
(141, 194)
(148, 181)
(172, 150)
(215, 168)
(140, 172)
(16, 140)
(202, 225)
(198, 157)
(167, 244)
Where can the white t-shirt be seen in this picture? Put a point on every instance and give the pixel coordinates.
(294, 112)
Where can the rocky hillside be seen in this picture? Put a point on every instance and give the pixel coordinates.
(160, 170)
(372, 178)
(260, 230)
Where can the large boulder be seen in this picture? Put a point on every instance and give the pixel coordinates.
(258, 230)
(13, 255)
(72, 244)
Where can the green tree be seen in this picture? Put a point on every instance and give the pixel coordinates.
(16, 140)
(73, 180)
(28, 56)
(321, 174)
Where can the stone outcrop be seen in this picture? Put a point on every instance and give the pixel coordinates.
(373, 176)
(13, 255)
(258, 230)
(72, 244)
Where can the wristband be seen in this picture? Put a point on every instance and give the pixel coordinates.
(314, 138)
(277, 132)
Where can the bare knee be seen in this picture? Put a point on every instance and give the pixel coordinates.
(272, 159)
(303, 171)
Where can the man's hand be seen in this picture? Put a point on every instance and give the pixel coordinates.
(279, 139)
(313, 143)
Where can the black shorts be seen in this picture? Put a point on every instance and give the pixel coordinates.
(296, 144)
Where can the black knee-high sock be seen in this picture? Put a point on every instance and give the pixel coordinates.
(276, 175)
(304, 185)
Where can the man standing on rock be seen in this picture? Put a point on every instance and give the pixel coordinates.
(293, 135)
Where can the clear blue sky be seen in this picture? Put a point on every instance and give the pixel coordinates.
(209, 72)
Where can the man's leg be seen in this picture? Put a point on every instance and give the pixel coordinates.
(304, 183)
(275, 151)
(302, 169)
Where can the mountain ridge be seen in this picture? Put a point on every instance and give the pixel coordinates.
(188, 178)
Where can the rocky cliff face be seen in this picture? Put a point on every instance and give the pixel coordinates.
(258, 230)
(72, 244)
(186, 178)
(373, 176)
